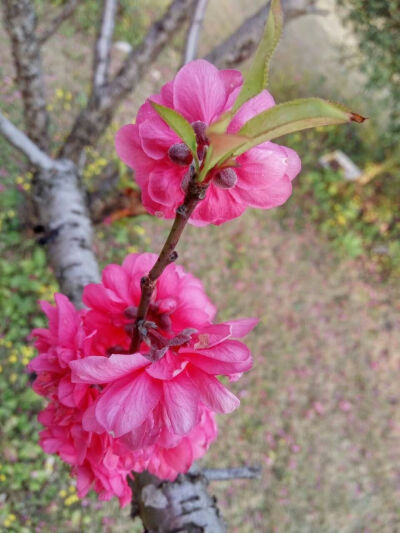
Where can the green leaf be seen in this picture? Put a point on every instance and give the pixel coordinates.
(256, 78)
(180, 125)
(221, 148)
(293, 116)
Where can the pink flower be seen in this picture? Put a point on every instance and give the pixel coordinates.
(178, 302)
(167, 460)
(98, 461)
(64, 341)
(261, 177)
(141, 399)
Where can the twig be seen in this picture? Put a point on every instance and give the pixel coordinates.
(194, 195)
(21, 142)
(56, 22)
(192, 40)
(240, 45)
(225, 474)
(103, 45)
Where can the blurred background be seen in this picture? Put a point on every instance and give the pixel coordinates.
(320, 410)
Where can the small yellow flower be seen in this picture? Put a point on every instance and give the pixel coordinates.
(26, 186)
(62, 493)
(1, 369)
(13, 378)
(72, 488)
(71, 500)
(2, 477)
(13, 359)
(19, 180)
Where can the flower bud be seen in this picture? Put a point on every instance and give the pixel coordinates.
(180, 154)
(225, 178)
(200, 130)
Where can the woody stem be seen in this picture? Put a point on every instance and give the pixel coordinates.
(195, 193)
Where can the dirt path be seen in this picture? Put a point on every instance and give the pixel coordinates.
(320, 408)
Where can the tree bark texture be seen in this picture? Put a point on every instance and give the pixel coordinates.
(20, 23)
(180, 507)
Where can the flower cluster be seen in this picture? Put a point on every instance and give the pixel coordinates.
(112, 412)
(261, 177)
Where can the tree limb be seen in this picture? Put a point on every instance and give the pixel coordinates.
(225, 474)
(21, 142)
(55, 23)
(97, 116)
(241, 44)
(192, 39)
(20, 23)
(103, 45)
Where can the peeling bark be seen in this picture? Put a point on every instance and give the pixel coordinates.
(180, 507)
(20, 23)
(68, 230)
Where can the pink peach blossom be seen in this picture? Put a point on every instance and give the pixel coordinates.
(143, 398)
(64, 340)
(261, 177)
(178, 302)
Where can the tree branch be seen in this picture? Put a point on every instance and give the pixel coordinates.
(21, 142)
(226, 474)
(20, 23)
(55, 23)
(97, 116)
(241, 44)
(192, 39)
(103, 45)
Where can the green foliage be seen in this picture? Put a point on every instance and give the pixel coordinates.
(289, 117)
(256, 79)
(361, 220)
(377, 26)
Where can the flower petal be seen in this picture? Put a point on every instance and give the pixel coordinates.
(125, 404)
(199, 91)
(181, 403)
(212, 393)
(97, 369)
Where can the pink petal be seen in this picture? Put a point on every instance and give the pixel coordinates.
(250, 109)
(179, 458)
(96, 296)
(212, 393)
(156, 137)
(129, 149)
(181, 403)
(218, 207)
(89, 420)
(115, 278)
(199, 92)
(125, 404)
(232, 80)
(67, 319)
(97, 369)
(164, 186)
(226, 358)
(293, 162)
(241, 327)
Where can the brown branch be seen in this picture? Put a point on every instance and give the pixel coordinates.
(21, 142)
(97, 116)
(55, 23)
(192, 39)
(20, 23)
(242, 43)
(103, 45)
(226, 474)
(195, 193)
